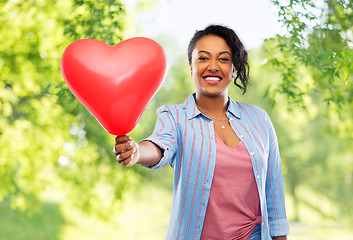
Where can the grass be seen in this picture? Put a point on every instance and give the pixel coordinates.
(47, 224)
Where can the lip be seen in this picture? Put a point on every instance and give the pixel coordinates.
(212, 82)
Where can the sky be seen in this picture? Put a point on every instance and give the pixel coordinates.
(252, 20)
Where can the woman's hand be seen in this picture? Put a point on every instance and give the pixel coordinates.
(126, 151)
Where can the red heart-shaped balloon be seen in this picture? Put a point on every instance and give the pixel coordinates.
(115, 83)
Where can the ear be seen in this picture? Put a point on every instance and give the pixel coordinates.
(233, 71)
(190, 69)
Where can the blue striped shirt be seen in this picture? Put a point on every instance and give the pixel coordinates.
(188, 140)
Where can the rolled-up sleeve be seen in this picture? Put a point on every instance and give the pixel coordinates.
(279, 224)
(165, 136)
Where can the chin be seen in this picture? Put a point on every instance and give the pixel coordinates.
(210, 93)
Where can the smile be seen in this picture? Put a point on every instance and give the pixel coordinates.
(212, 79)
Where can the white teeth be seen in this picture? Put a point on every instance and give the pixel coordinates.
(212, 78)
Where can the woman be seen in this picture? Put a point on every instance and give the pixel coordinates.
(228, 181)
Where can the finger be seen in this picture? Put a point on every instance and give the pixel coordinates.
(116, 152)
(123, 147)
(122, 139)
(126, 162)
(125, 155)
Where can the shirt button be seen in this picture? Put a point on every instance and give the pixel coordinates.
(252, 153)
(241, 136)
(258, 176)
(230, 119)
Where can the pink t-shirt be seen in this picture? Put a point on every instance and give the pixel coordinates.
(233, 207)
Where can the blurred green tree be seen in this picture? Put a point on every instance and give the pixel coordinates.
(47, 138)
(313, 94)
(319, 36)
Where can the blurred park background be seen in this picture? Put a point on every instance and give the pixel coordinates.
(58, 175)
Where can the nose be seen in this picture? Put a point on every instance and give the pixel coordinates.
(213, 66)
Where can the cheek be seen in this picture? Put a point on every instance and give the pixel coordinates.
(196, 70)
(229, 71)
(230, 74)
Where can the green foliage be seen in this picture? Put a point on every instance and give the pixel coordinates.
(320, 38)
(47, 138)
(102, 20)
(312, 96)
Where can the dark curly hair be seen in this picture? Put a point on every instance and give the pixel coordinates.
(239, 54)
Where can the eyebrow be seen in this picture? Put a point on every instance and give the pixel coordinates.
(218, 54)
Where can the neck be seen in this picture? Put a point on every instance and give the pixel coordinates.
(214, 104)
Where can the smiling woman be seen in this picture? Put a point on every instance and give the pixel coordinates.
(222, 42)
(228, 182)
(211, 67)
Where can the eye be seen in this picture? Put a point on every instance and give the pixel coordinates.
(223, 59)
(201, 58)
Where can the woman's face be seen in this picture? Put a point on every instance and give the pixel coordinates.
(211, 66)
